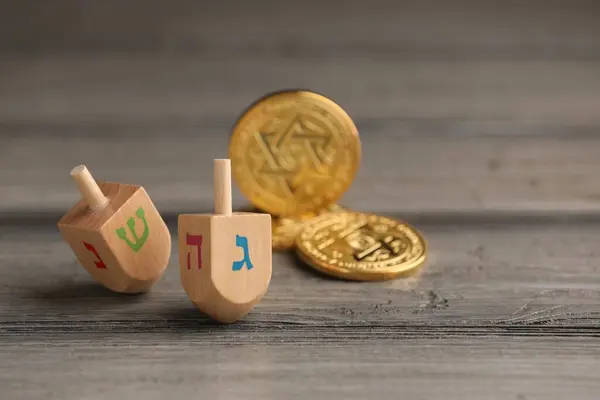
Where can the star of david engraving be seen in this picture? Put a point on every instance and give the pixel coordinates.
(294, 151)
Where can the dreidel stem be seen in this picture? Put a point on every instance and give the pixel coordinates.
(89, 189)
(222, 186)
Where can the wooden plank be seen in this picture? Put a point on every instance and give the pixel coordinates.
(479, 124)
(103, 366)
(416, 172)
(167, 91)
(496, 275)
(382, 28)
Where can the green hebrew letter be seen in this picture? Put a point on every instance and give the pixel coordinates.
(139, 241)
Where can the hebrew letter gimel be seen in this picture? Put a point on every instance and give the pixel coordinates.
(242, 241)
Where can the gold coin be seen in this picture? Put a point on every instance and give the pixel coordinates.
(286, 229)
(294, 152)
(359, 246)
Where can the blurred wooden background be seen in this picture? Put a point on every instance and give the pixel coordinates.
(479, 122)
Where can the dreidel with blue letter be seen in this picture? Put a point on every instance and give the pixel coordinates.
(117, 234)
(225, 258)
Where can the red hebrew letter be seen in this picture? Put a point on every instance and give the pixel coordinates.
(99, 263)
(194, 240)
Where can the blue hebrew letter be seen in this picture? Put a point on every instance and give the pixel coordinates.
(242, 241)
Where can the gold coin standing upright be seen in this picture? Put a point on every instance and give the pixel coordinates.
(294, 152)
(359, 246)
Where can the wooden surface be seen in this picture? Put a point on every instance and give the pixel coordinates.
(480, 126)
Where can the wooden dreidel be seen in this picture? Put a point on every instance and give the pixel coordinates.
(224, 258)
(117, 234)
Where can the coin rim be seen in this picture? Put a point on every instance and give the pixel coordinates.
(286, 245)
(234, 131)
(283, 243)
(345, 273)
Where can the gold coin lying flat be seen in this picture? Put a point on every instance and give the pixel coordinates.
(359, 246)
(294, 152)
(286, 229)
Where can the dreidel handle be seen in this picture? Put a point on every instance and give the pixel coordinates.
(222, 186)
(89, 189)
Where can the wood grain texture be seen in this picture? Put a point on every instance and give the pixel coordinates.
(433, 29)
(478, 275)
(164, 91)
(479, 122)
(513, 288)
(210, 364)
(500, 311)
(411, 172)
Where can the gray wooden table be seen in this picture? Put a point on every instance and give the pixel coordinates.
(479, 123)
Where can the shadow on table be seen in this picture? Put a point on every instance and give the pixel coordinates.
(66, 291)
(92, 307)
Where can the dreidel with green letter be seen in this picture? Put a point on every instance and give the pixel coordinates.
(225, 258)
(117, 234)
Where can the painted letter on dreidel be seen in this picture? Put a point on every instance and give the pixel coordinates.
(139, 241)
(194, 240)
(242, 241)
(99, 263)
